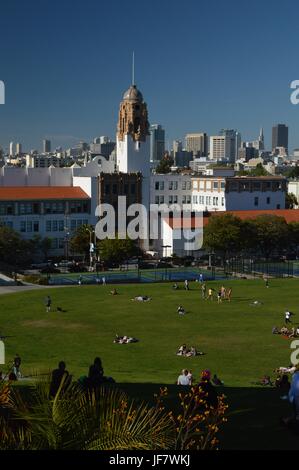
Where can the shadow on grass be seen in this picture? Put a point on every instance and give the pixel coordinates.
(253, 416)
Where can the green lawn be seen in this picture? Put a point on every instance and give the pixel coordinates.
(236, 338)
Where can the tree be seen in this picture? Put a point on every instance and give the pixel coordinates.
(271, 232)
(80, 241)
(13, 249)
(165, 164)
(291, 201)
(224, 234)
(293, 173)
(117, 250)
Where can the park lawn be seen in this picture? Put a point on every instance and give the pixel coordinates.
(236, 338)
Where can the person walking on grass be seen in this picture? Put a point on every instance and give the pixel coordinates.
(229, 294)
(186, 284)
(210, 293)
(203, 291)
(287, 318)
(48, 303)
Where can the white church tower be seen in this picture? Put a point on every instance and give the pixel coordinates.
(133, 139)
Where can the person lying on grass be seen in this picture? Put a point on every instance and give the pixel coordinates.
(141, 298)
(124, 339)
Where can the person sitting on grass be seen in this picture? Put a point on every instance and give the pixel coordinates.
(184, 378)
(216, 381)
(113, 292)
(175, 286)
(181, 310)
(182, 350)
(57, 376)
(283, 384)
(207, 390)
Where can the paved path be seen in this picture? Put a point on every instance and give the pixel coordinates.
(14, 289)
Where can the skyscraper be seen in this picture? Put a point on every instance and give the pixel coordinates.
(18, 148)
(232, 144)
(11, 149)
(157, 142)
(280, 136)
(197, 144)
(46, 146)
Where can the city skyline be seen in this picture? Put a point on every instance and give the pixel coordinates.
(66, 87)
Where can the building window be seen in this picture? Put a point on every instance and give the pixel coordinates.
(277, 206)
(47, 208)
(195, 184)
(175, 185)
(54, 243)
(73, 225)
(208, 185)
(268, 200)
(256, 201)
(222, 201)
(175, 199)
(222, 185)
(60, 243)
(29, 226)
(157, 185)
(48, 226)
(184, 185)
(194, 199)
(60, 225)
(54, 226)
(215, 185)
(188, 185)
(170, 185)
(162, 185)
(161, 199)
(36, 226)
(184, 200)
(188, 199)
(156, 199)
(170, 200)
(22, 226)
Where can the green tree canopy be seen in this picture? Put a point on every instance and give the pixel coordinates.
(224, 233)
(117, 250)
(271, 233)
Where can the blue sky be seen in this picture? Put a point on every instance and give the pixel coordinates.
(201, 66)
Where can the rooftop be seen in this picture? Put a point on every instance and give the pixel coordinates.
(19, 193)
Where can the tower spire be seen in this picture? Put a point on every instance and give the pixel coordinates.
(133, 69)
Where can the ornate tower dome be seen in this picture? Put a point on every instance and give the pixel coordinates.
(133, 94)
(133, 118)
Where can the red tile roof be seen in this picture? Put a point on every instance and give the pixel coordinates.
(290, 215)
(19, 193)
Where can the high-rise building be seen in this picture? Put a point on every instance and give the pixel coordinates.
(18, 148)
(232, 144)
(46, 146)
(157, 142)
(197, 144)
(177, 146)
(217, 147)
(11, 149)
(280, 136)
